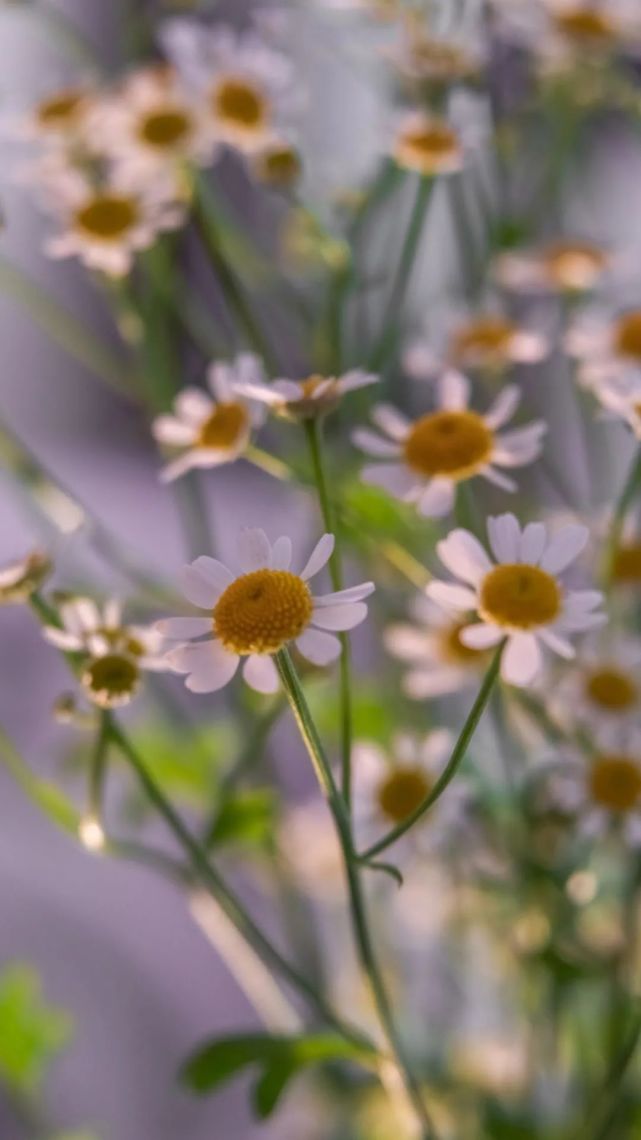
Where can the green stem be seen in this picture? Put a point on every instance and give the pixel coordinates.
(403, 272)
(623, 504)
(314, 432)
(369, 962)
(97, 774)
(604, 1112)
(451, 768)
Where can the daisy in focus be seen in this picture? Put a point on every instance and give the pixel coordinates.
(603, 686)
(607, 348)
(488, 341)
(438, 662)
(257, 612)
(560, 267)
(20, 579)
(423, 461)
(520, 597)
(213, 429)
(307, 399)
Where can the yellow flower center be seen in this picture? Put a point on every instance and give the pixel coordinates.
(615, 782)
(586, 25)
(427, 148)
(443, 61)
(261, 611)
(279, 166)
(611, 689)
(108, 217)
(453, 649)
(626, 565)
(61, 110)
(519, 596)
(165, 128)
(574, 265)
(111, 680)
(224, 427)
(627, 335)
(121, 639)
(240, 104)
(401, 792)
(487, 336)
(454, 444)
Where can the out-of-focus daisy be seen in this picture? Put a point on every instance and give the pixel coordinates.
(150, 121)
(255, 613)
(607, 348)
(560, 267)
(212, 431)
(423, 461)
(59, 118)
(249, 89)
(106, 225)
(569, 32)
(428, 144)
(277, 165)
(603, 791)
(116, 652)
(439, 663)
(433, 62)
(603, 686)
(620, 398)
(307, 399)
(521, 597)
(626, 562)
(20, 579)
(484, 340)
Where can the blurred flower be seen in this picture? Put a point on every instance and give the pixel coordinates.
(426, 459)
(565, 33)
(603, 686)
(608, 348)
(58, 119)
(603, 791)
(560, 267)
(428, 145)
(278, 165)
(20, 579)
(439, 661)
(257, 613)
(431, 61)
(521, 598)
(209, 431)
(620, 398)
(307, 399)
(484, 340)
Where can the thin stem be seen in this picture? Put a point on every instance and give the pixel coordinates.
(610, 1098)
(452, 766)
(623, 504)
(314, 432)
(92, 831)
(360, 924)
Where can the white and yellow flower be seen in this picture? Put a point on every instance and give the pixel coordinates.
(486, 340)
(307, 399)
(433, 61)
(607, 347)
(424, 460)
(21, 578)
(438, 661)
(213, 429)
(563, 266)
(58, 119)
(565, 33)
(428, 144)
(603, 790)
(603, 686)
(255, 613)
(520, 597)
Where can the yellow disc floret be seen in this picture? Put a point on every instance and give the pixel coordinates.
(487, 336)
(585, 24)
(611, 689)
(626, 565)
(428, 148)
(518, 596)
(401, 792)
(261, 611)
(61, 110)
(240, 104)
(224, 427)
(111, 681)
(615, 782)
(453, 444)
(627, 335)
(165, 128)
(107, 217)
(574, 265)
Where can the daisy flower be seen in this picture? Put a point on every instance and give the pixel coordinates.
(257, 612)
(607, 348)
(277, 165)
(620, 398)
(560, 267)
(424, 460)
(216, 429)
(603, 687)
(307, 399)
(428, 144)
(431, 61)
(58, 119)
(20, 579)
(563, 32)
(520, 598)
(116, 653)
(439, 663)
(247, 87)
(106, 225)
(603, 791)
(484, 340)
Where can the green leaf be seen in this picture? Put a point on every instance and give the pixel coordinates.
(32, 1032)
(45, 795)
(278, 1059)
(247, 817)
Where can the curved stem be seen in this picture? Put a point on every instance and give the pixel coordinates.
(360, 924)
(451, 768)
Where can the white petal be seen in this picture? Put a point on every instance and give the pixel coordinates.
(220, 378)
(564, 547)
(394, 478)
(179, 467)
(481, 636)
(451, 596)
(197, 589)
(406, 642)
(184, 628)
(340, 617)
(355, 379)
(464, 556)
(319, 648)
(437, 499)
(320, 555)
(505, 537)
(493, 476)
(351, 594)
(436, 747)
(261, 674)
(281, 558)
(521, 659)
(213, 571)
(503, 407)
(62, 639)
(533, 541)
(254, 549)
(422, 684)
(80, 615)
(453, 391)
(209, 666)
(557, 643)
(373, 444)
(168, 429)
(390, 420)
(193, 406)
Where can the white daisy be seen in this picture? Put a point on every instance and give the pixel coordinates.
(439, 663)
(620, 398)
(519, 598)
(257, 612)
(571, 32)
(560, 267)
(306, 399)
(424, 460)
(603, 791)
(607, 347)
(249, 89)
(603, 686)
(432, 61)
(277, 165)
(428, 144)
(58, 119)
(209, 431)
(20, 579)
(483, 340)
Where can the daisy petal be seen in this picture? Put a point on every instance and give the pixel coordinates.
(193, 406)
(464, 556)
(390, 420)
(254, 549)
(493, 476)
(62, 639)
(533, 541)
(169, 429)
(261, 674)
(209, 666)
(197, 589)
(179, 467)
(453, 391)
(421, 684)
(281, 558)
(319, 648)
(503, 407)
(351, 594)
(521, 659)
(339, 617)
(505, 537)
(373, 444)
(184, 628)
(481, 636)
(437, 499)
(450, 596)
(320, 555)
(563, 548)
(406, 642)
(557, 643)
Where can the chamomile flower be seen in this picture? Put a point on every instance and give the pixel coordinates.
(20, 579)
(58, 119)
(561, 267)
(255, 613)
(566, 33)
(438, 662)
(213, 429)
(607, 347)
(520, 598)
(423, 461)
(603, 791)
(488, 340)
(603, 686)
(247, 87)
(433, 62)
(277, 165)
(620, 398)
(428, 144)
(307, 399)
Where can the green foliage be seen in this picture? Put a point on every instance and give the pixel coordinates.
(373, 512)
(247, 817)
(277, 1058)
(45, 795)
(32, 1032)
(373, 719)
(188, 761)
